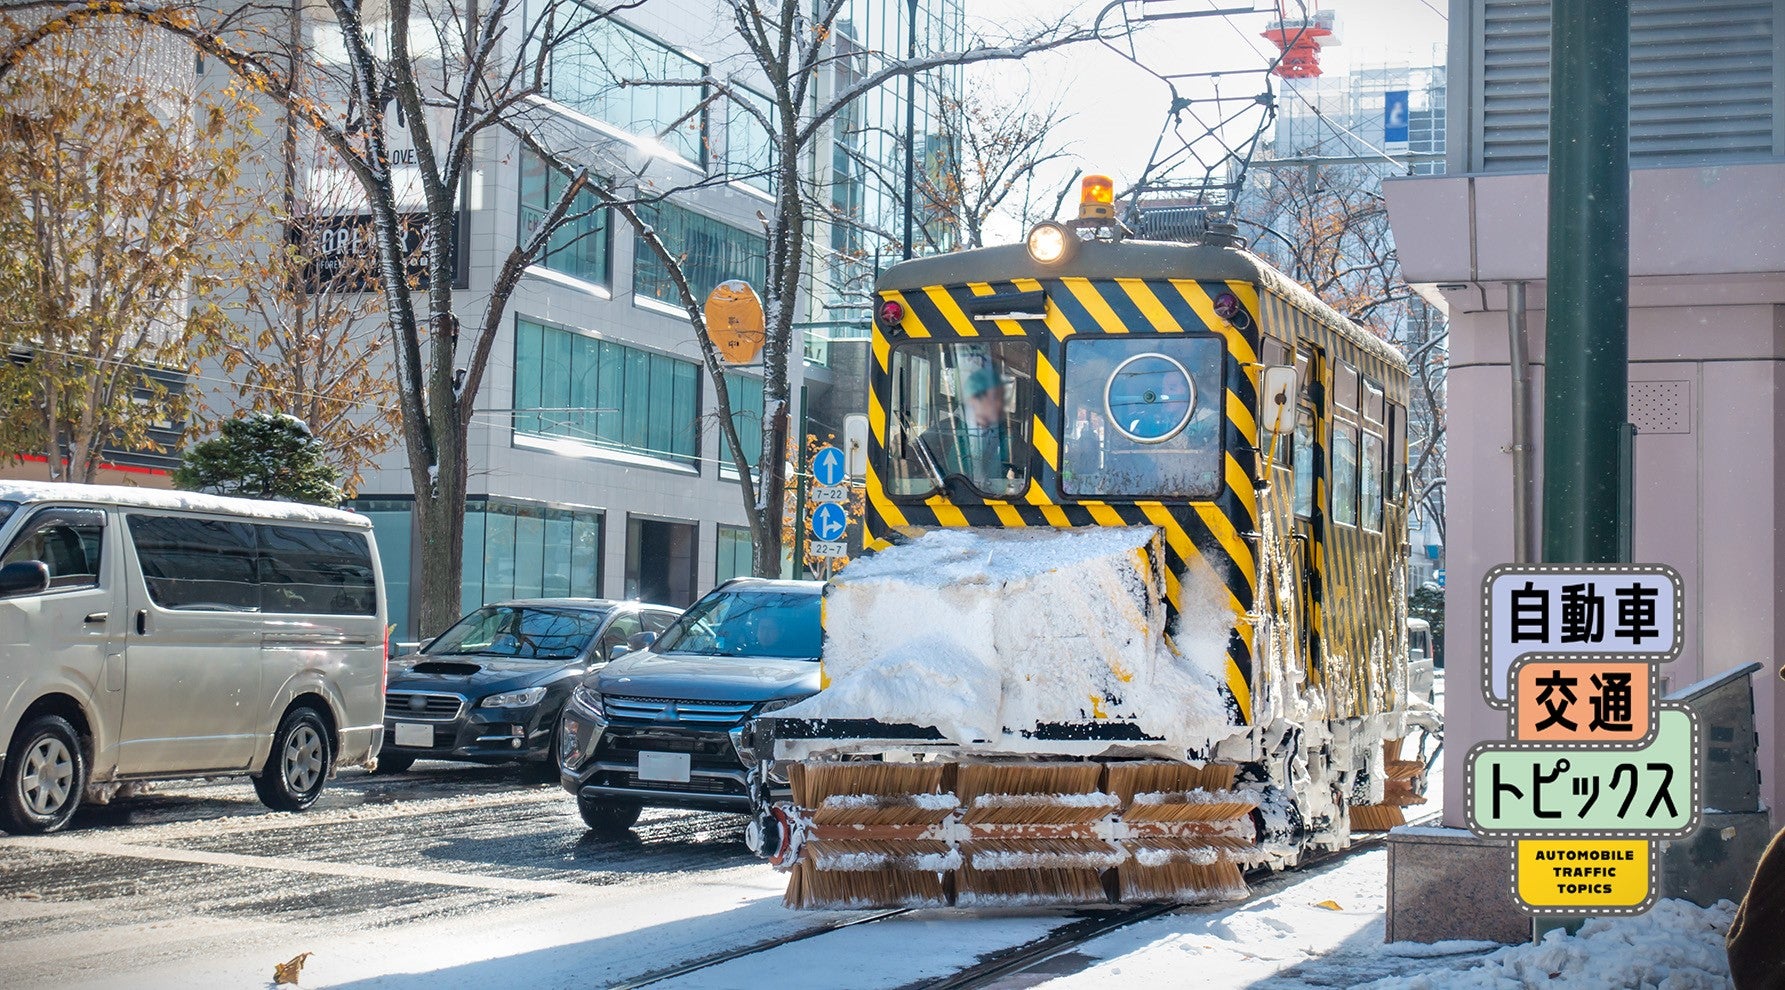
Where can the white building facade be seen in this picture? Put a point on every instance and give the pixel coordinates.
(596, 464)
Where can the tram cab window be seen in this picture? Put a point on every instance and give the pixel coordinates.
(1143, 417)
(960, 411)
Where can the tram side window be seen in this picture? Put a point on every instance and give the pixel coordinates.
(1370, 489)
(1304, 435)
(1345, 474)
(1374, 442)
(1304, 463)
(1397, 450)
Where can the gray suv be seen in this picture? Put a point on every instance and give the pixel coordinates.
(663, 725)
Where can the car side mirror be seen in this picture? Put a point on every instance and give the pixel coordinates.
(618, 650)
(641, 640)
(24, 577)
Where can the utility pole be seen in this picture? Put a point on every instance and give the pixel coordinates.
(1586, 484)
(910, 126)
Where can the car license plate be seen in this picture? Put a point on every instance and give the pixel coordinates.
(670, 767)
(413, 734)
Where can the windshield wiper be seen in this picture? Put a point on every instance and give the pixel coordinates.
(926, 458)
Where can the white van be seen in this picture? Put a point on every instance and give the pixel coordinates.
(149, 635)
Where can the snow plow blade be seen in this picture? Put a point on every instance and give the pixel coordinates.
(1013, 718)
(978, 834)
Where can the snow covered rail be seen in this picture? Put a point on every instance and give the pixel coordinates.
(1019, 959)
(720, 958)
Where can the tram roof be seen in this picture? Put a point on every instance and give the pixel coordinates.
(1098, 259)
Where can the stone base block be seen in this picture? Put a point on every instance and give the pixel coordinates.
(1445, 883)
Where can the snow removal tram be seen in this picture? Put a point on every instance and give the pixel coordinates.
(1136, 616)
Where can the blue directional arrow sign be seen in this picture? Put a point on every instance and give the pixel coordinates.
(829, 520)
(827, 466)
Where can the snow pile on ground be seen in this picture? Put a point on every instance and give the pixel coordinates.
(1677, 945)
(986, 634)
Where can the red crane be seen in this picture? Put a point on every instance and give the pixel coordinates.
(1299, 39)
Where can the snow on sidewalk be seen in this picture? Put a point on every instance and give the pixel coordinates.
(1325, 929)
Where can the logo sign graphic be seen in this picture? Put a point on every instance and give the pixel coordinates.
(1572, 876)
(828, 467)
(829, 522)
(1395, 111)
(1596, 767)
(1631, 609)
(1528, 790)
(735, 321)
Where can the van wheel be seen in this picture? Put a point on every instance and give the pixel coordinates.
(609, 817)
(44, 778)
(299, 764)
(389, 763)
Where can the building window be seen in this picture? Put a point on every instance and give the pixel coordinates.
(747, 409)
(579, 247)
(749, 148)
(516, 549)
(575, 387)
(634, 82)
(734, 554)
(711, 252)
(391, 527)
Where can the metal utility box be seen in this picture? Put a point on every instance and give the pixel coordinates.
(1717, 861)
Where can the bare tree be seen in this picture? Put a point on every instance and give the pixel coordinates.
(993, 150)
(1327, 227)
(405, 94)
(799, 75)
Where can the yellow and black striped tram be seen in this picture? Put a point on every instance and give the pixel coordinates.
(1120, 384)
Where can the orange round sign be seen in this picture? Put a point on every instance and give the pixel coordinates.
(735, 322)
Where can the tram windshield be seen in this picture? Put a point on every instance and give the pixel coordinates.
(1143, 417)
(960, 411)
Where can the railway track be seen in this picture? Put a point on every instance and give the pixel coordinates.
(1017, 959)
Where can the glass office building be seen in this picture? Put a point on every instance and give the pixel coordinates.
(597, 465)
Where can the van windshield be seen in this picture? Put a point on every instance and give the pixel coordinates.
(520, 632)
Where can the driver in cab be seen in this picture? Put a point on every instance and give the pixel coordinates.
(975, 443)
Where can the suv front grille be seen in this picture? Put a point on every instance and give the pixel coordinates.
(433, 707)
(675, 710)
(695, 785)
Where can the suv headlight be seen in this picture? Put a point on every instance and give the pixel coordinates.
(588, 703)
(515, 699)
(776, 705)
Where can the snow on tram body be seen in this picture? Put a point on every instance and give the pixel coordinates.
(1244, 447)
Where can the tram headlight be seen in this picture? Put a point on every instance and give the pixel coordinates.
(1048, 242)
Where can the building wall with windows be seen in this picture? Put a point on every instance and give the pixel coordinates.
(597, 465)
(1706, 324)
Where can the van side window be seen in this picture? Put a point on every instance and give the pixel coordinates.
(197, 563)
(315, 572)
(68, 541)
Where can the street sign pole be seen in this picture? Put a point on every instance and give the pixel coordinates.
(1585, 390)
(1586, 487)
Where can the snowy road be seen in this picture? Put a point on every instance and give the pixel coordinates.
(449, 876)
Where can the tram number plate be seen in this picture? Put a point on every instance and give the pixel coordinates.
(670, 767)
